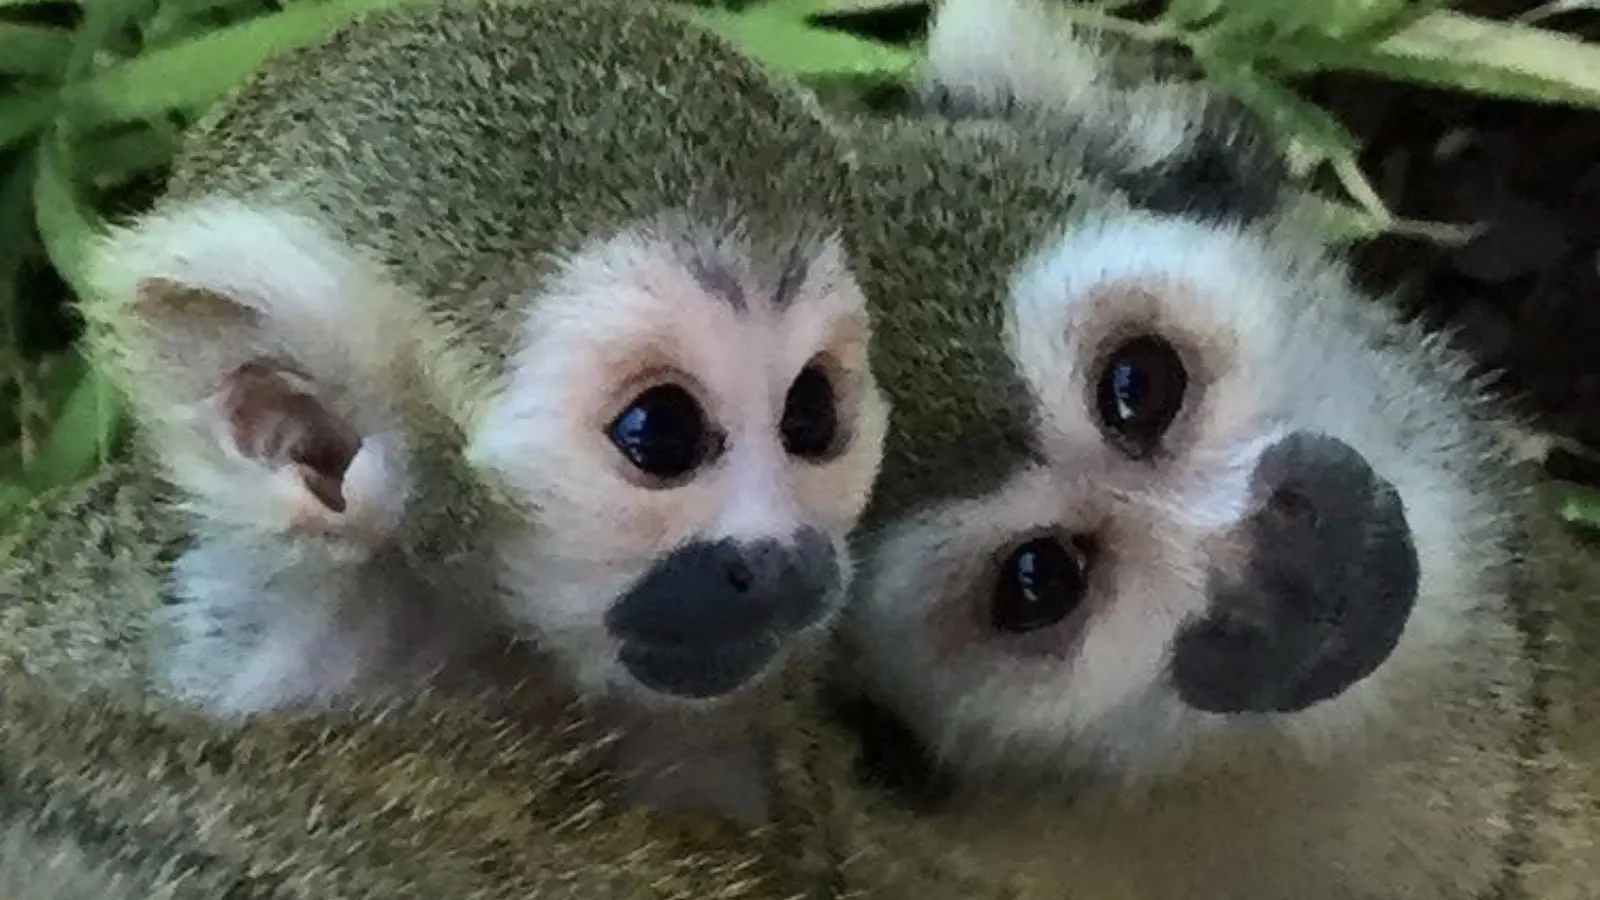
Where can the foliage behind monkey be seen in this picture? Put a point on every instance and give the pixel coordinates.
(501, 319)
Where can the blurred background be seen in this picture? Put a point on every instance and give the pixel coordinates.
(1457, 146)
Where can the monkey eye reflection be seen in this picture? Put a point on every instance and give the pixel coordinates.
(664, 434)
(1040, 583)
(1138, 393)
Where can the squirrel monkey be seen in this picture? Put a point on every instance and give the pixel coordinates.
(511, 319)
(1230, 600)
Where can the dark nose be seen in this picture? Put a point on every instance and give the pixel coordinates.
(718, 592)
(1327, 586)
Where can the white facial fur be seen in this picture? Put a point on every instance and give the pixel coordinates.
(624, 314)
(1273, 343)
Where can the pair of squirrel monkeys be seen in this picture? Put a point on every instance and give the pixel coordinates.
(510, 362)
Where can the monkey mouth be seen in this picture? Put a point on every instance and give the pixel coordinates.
(699, 671)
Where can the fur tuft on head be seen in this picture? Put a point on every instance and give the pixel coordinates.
(1073, 561)
(1170, 144)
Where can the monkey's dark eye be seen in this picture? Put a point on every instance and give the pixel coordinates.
(663, 432)
(1040, 584)
(1140, 391)
(810, 415)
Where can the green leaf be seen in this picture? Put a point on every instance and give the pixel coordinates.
(86, 430)
(800, 49)
(1191, 14)
(65, 223)
(1580, 505)
(14, 500)
(1285, 111)
(1555, 8)
(16, 234)
(1464, 53)
(111, 159)
(191, 74)
(21, 117)
(1305, 123)
(33, 51)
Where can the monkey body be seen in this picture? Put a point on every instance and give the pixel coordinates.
(442, 361)
(112, 791)
(485, 794)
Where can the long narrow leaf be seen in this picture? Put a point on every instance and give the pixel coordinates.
(14, 499)
(23, 115)
(1463, 53)
(65, 224)
(86, 430)
(190, 75)
(34, 51)
(16, 234)
(109, 160)
(1580, 506)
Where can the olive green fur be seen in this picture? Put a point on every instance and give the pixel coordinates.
(476, 201)
(451, 797)
(101, 782)
(945, 210)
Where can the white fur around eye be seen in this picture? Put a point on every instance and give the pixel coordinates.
(1058, 291)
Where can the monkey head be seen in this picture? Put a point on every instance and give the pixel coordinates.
(1196, 489)
(692, 424)
(542, 306)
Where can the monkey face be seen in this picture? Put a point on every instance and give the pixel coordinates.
(690, 428)
(1232, 509)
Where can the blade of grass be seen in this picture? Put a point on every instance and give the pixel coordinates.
(1291, 116)
(85, 432)
(1580, 506)
(22, 116)
(1556, 8)
(1463, 53)
(89, 421)
(14, 500)
(34, 51)
(109, 160)
(191, 74)
(65, 224)
(16, 226)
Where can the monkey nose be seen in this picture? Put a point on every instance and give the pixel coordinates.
(1329, 580)
(710, 602)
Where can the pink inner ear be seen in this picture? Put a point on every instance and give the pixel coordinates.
(276, 422)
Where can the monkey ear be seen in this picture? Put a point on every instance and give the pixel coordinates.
(990, 58)
(266, 365)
